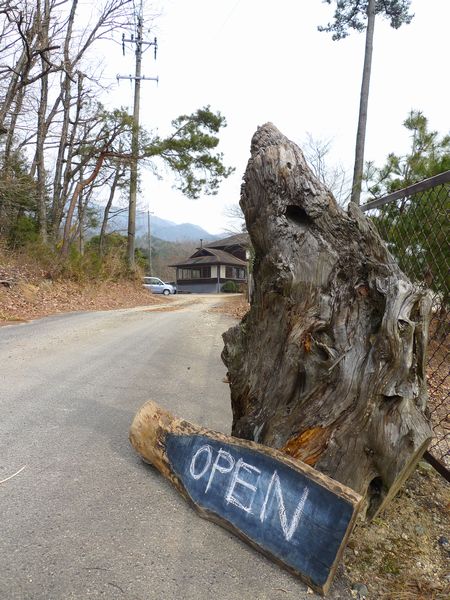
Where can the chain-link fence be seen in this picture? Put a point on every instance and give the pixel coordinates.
(415, 224)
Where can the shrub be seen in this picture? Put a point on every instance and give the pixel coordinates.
(24, 231)
(230, 287)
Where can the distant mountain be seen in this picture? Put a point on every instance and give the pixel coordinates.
(162, 229)
(173, 232)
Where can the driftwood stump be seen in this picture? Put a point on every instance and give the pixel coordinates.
(329, 364)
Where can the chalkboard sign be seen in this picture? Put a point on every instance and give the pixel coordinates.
(289, 515)
(290, 512)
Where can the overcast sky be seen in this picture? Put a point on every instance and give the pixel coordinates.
(258, 60)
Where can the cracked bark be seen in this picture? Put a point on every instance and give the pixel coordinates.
(329, 363)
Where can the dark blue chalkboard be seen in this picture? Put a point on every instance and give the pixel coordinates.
(291, 516)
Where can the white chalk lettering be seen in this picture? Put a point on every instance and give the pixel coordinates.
(288, 530)
(217, 467)
(206, 449)
(236, 480)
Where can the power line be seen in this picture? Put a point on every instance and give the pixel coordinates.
(227, 18)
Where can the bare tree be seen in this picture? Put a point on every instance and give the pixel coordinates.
(101, 148)
(25, 24)
(236, 219)
(45, 54)
(317, 152)
(118, 175)
(49, 112)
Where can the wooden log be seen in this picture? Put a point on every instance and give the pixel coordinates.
(329, 364)
(288, 511)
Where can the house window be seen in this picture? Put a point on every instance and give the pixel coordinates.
(201, 273)
(197, 273)
(234, 273)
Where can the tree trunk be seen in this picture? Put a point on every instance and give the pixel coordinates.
(59, 200)
(82, 204)
(75, 138)
(73, 202)
(329, 363)
(11, 131)
(41, 129)
(41, 196)
(363, 104)
(19, 74)
(117, 175)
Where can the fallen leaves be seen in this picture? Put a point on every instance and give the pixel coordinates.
(23, 301)
(398, 555)
(235, 305)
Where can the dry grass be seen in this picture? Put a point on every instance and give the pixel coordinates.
(398, 556)
(22, 302)
(235, 305)
(27, 293)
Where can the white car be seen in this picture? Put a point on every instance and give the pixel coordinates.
(156, 286)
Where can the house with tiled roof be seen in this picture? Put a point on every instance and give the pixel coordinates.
(213, 264)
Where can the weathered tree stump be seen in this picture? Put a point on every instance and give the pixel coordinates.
(329, 364)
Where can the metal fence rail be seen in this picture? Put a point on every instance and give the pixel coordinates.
(414, 222)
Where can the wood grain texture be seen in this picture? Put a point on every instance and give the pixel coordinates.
(329, 363)
(172, 444)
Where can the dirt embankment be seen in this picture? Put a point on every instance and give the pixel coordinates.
(25, 295)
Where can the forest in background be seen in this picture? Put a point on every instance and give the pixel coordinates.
(62, 151)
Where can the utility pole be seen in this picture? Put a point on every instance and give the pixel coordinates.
(149, 231)
(139, 44)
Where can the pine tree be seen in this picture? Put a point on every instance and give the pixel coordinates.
(416, 227)
(360, 15)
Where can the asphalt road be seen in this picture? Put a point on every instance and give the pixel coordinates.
(86, 518)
